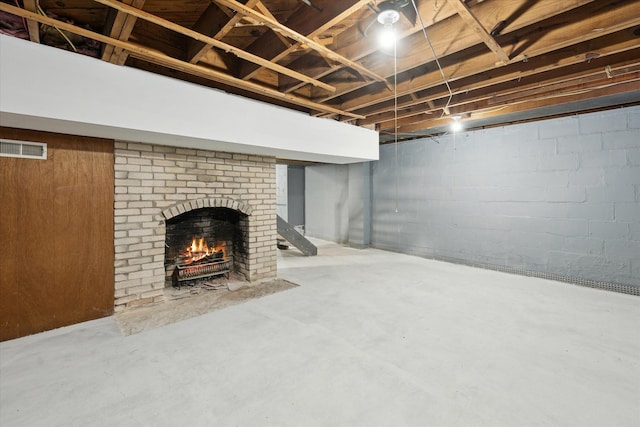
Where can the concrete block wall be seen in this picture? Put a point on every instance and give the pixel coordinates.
(151, 180)
(560, 196)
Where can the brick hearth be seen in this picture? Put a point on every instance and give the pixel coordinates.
(154, 183)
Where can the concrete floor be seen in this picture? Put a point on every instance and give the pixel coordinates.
(369, 338)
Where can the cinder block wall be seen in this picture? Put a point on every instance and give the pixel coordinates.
(560, 196)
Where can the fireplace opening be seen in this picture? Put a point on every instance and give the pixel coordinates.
(205, 243)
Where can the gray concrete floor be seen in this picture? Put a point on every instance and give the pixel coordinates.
(369, 338)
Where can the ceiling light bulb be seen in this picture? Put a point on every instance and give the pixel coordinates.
(388, 17)
(387, 36)
(456, 125)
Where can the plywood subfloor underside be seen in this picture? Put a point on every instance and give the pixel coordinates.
(369, 338)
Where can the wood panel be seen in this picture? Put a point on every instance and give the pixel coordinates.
(56, 234)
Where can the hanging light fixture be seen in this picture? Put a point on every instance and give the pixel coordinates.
(456, 125)
(387, 17)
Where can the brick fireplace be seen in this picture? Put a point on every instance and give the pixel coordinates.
(156, 184)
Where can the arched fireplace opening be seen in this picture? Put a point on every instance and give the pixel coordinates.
(205, 243)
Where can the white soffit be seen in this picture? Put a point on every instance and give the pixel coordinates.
(49, 89)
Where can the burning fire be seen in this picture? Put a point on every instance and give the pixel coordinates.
(199, 250)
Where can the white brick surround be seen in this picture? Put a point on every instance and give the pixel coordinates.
(154, 183)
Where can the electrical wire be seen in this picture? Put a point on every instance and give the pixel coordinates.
(444, 78)
(395, 109)
(60, 31)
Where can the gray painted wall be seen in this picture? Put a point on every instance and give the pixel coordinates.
(295, 193)
(326, 202)
(360, 205)
(559, 196)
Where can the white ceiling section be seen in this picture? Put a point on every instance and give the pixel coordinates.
(48, 89)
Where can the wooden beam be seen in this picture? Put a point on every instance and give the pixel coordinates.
(318, 31)
(476, 25)
(605, 90)
(617, 45)
(209, 24)
(561, 39)
(210, 40)
(32, 26)
(302, 21)
(199, 49)
(539, 91)
(559, 83)
(621, 71)
(121, 27)
(278, 27)
(620, 64)
(176, 64)
(266, 12)
(309, 25)
(419, 52)
(352, 44)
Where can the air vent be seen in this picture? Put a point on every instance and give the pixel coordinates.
(23, 149)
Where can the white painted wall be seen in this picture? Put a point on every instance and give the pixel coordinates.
(49, 89)
(327, 202)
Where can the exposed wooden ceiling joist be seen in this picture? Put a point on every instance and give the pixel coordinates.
(276, 26)
(213, 42)
(208, 24)
(500, 58)
(321, 29)
(32, 26)
(476, 25)
(586, 76)
(533, 70)
(446, 43)
(121, 25)
(173, 63)
(529, 43)
(439, 122)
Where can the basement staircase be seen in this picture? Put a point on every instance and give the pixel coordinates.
(292, 236)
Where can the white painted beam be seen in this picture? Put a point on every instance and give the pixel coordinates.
(48, 89)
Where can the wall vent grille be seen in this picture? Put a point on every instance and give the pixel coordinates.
(23, 149)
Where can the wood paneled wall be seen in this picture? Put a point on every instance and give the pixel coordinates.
(56, 234)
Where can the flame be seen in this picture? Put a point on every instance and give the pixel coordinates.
(199, 250)
(219, 247)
